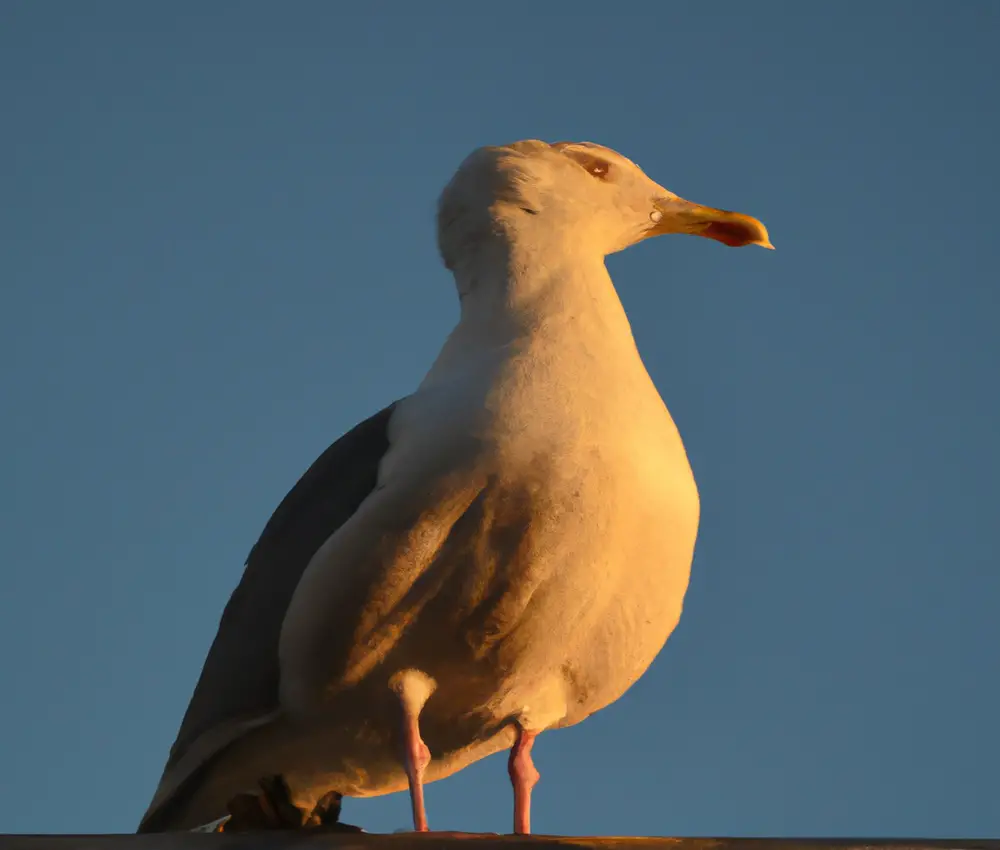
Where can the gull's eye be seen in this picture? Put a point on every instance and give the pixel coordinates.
(595, 166)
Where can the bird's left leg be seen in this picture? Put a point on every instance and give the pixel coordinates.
(413, 689)
(523, 776)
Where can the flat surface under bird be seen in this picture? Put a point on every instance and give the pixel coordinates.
(311, 840)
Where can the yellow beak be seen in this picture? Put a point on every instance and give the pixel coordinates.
(675, 215)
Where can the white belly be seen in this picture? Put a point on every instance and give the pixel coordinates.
(551, 526)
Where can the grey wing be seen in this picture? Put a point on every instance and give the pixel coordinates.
(238, 687)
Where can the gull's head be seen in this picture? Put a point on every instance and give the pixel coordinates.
(584, 194)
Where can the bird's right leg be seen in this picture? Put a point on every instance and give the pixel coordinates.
(523, 776)
(413, 689)
(417, 756)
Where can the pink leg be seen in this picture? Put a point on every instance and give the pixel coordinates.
(417, 757)
(523, 777)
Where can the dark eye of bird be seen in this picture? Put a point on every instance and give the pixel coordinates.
(593, 165)
(599, 168)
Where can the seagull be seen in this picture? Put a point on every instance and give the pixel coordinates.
(502, 552)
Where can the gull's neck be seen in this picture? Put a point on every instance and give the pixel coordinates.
(512, 287)
(520, 289)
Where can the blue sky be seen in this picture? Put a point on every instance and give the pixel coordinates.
(218, 255)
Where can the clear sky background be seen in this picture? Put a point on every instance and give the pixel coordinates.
(218, 255)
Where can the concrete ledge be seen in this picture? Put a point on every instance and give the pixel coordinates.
(309, 840)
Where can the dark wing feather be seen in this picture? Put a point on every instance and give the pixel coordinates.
(240, 675)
